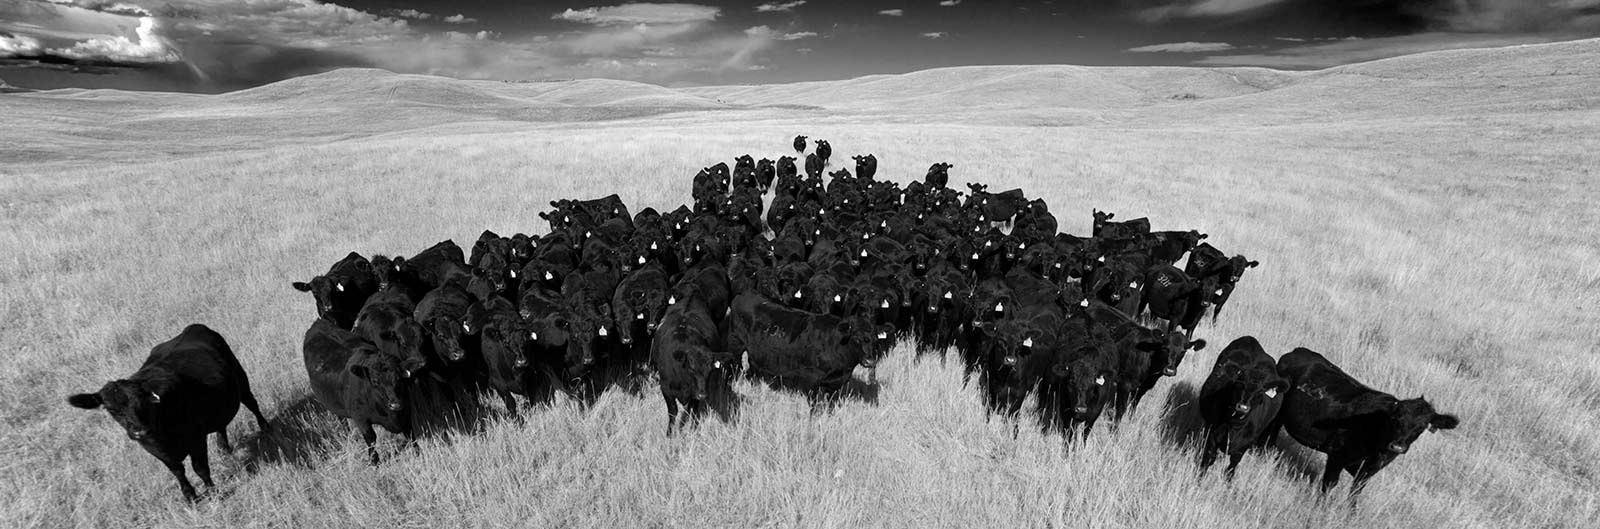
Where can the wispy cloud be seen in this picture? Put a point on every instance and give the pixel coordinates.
(892, 12)
(948, 3)
(411, 14)
(797, 36)
(641, 14)
(935, 34)
(1204, 8)
(459, 19)
(1183, 47)
(770, 7)
(1334, 53)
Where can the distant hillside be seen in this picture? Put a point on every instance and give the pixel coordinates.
(6, 88)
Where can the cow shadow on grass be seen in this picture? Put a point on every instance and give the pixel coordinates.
(304, 432)
(1183, 428)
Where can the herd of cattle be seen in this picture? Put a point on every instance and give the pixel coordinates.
(799, 293)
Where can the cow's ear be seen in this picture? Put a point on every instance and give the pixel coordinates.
(301, 286)
(1197, 344)
(543, 215)
(86, 401)
(361, 371)
(1443, 421)
(1252, 264)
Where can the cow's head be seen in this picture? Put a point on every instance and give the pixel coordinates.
(382, 382)
(1174, 346)
(136, 405)
(1258, 394)
(446, 335)
(1396, 425)
(1086, 384)
(405, 342)
(693, 366)
(323, 289)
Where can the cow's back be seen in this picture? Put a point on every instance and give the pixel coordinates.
(209, 376)
(1319, 391)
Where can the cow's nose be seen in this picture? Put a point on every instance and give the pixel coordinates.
(394, 405)
(1169, 372)
(137, 435)
(1080, 410)
(1241, 409)
(1398, 448)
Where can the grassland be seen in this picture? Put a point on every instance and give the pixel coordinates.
(1428, 222)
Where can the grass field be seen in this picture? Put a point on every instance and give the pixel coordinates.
(1428, 222)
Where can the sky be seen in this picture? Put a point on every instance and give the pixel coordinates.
(223, 45)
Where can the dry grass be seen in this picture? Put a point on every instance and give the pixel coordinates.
(1449, 254)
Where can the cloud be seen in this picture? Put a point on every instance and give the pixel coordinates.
(148, 47)
(411, 14)
(935, 35)
(459, 19)
(802, 51)
(893, 12)
(1467, 16)
(948, 3)
(774, 6)
(797, 36)
(19, 45)
(1346, 51)
(1204, 8)
(640, 14)
(1183, 47)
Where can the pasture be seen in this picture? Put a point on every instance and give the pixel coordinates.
(1427, 222)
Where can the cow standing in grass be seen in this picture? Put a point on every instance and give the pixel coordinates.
(188, 387)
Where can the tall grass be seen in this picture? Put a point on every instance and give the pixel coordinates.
(1448, 256)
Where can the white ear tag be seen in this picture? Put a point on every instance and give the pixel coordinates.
(1084, 303)
(798, 295)
(672, 300)
(548, 276)
(863, 253)
(1027, 342)
(513, 274)
(653, 246)
(883, 335)
(533, 335)
(339, 286)
(1272, 393)
(1000, 306)
(1134, 284)
(1100, 380)
(466, 327)
(602, 330)
(836, 298)
(638, 316)
(1102, 259)
(883, 304)
(974, 255)
(1218, 292)
(155, 397)
(717, 364)
(948, 295)
(641, 259)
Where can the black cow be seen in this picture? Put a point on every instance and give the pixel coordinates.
(938, 175)
(1217, 273)
(766, 172)
(800, 144)
(824, 151)
(810, 352)
(814, 166)
(1361, 429)
(1239, 401)
(352, 379)
(188, 387)
(686, 355)
(866, 166)
(341, 292)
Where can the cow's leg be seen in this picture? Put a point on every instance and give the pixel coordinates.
(511, 402)
(201, 460)
(1363, 473)
(1330, 474)
(1208, 455)
(249, 401)
(369, 437)
(222, 440)
(1123, 398)
(175, 466)
(1233, 460)
(672, 414)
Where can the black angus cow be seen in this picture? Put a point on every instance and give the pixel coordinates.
(693, 370)
(824, 151)
(938, 175)
(1144, 354)
(503, 340)
(1167, 247)
(799, 144)
(766, 172)
(341, 292)
(441, 263)
(440, 313)
(866, 166)
(1361, 429)
(354, 380)
(1105, 229)
(744, 173)
(1084, 378)
(805, 351)
(1239, 401)
(1172, 296)
(1218, 274)
(188, 387)
(387, 320)
(814, 166)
